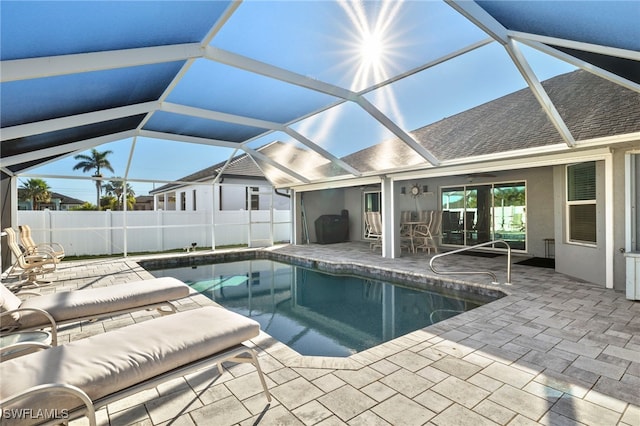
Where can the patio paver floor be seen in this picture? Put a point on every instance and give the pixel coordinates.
(553, 351)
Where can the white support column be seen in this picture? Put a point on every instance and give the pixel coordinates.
(13, 182)
(293, 211)
(389, 232)
(214, 207)
(608, 214)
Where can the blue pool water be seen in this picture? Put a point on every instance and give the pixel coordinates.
(316, 313)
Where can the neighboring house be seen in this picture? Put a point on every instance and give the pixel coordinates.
(143, 202)
(574, 203)
(240, 186)
(58, 202)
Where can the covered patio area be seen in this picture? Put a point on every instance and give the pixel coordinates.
(552, 351)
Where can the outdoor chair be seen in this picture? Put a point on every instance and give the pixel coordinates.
(51, 310)
(29, 264)
(427, 235)
(55, 249)
(375, 222)
(406, 231)
(77, 378)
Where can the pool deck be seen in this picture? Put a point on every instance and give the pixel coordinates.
(553, 351)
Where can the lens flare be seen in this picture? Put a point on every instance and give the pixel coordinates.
(371, 49)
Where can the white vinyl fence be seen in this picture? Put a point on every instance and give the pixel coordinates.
(115, 232)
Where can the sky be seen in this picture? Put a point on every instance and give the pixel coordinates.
(337, 43)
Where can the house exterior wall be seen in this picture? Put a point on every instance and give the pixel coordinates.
(546, 214)
(579, 260)
(318, 203)
(234, 196)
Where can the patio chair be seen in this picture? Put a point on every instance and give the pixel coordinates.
(422, 234)
(406, 231)
(55, 249)
(77, 378)
(427, 235)
(51, 310)
(29, 264)
(375, 222)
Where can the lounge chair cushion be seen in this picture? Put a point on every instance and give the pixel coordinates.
(106, 363)
(68, 305)
(8, 300)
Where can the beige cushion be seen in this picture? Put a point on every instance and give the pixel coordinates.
(69, 305)
(8, 300)
(103, 364)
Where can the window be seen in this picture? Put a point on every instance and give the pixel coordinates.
(581, 202)
(193, 200)
(253, 198)
(183, 201)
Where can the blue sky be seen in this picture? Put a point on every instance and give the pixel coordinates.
(331, 55)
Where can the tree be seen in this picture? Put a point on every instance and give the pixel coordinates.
(37, 191)
(96, 161)
(116, 189)
(86, 206)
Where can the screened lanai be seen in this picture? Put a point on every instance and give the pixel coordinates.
(176, 86)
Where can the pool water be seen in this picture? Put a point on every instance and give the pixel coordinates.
(319, 314)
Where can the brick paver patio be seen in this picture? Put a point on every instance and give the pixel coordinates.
(554, 351)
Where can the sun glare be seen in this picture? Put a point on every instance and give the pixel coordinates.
(371, 49)
(371, 30)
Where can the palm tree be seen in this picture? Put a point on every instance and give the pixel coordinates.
(116, 189)
(96, 161)
(35, 190)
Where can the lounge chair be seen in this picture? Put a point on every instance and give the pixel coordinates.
(75, 379)
(29, 264)
(51, 310)
(55, 249)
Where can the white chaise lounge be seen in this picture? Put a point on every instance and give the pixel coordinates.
(51, 310)
(75, 379)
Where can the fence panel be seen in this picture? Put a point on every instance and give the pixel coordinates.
(98, 233)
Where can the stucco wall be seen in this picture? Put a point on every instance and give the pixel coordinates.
(578, 260)
(540, 199)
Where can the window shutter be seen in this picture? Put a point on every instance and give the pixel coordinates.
(582, 181)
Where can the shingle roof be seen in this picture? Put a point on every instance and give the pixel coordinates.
(590, 106)
(239, 166)
(63, 198)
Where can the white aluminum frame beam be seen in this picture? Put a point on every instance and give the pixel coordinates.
(536, 42)
(45, 126)
(483, 20)
(65, 149)
(189, 139)
(257, 67)
(321, 151)
(50, 66)
(263, 124)
(576, 45)
(219, 116)
(538, 91)
(255, 154)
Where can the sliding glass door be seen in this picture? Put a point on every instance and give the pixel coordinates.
(371, 203)
(475, 214)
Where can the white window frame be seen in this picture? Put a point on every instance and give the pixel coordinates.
(569, 204)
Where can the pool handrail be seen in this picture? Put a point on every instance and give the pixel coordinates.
(491, 274)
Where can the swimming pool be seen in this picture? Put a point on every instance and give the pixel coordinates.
(316, 313)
